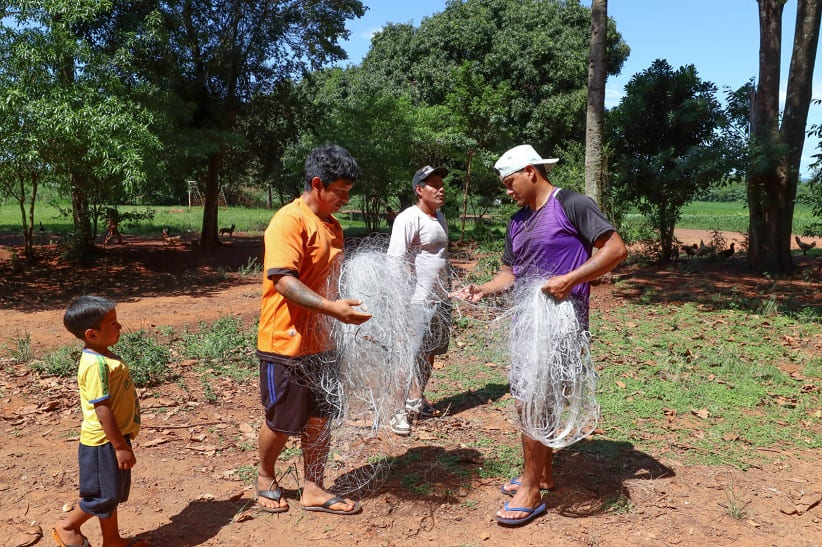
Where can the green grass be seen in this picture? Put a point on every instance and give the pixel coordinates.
(179, 219)
(729, 216)
(706, 384)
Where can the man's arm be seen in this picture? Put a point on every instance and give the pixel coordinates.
(499, 283)
(297, 292)
(611, 251)
(123, 452)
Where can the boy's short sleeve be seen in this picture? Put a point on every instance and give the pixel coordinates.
(93, 381)
(284, 245)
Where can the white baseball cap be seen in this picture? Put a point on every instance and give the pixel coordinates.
(520, 156)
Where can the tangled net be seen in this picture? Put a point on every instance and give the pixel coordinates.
(552, 376)
(367, 379)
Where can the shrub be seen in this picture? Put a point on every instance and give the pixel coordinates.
(147, 360)
(62, 362)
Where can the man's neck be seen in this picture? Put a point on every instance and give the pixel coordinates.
(311, 201)
(426, 209)
(543, 192)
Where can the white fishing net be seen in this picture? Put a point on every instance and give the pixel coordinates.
(552, 376)
(374, 363)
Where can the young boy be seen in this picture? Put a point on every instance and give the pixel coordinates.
(111, 419)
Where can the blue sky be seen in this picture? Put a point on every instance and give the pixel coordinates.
(719, 37)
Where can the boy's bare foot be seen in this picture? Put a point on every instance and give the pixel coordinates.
(269, 496)
(68, 536)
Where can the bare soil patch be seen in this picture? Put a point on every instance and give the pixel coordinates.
(188, 483)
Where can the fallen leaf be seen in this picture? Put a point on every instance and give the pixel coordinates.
(621, 385)
(245, 515)
(27, 536)
(485, 537)
(155, 442)
(730, 436)
(198, 437)
(701, 413)
(246, 429)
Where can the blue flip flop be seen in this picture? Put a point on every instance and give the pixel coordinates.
(516, 481)
(532, 513)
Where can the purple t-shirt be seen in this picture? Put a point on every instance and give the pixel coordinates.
(555, 239)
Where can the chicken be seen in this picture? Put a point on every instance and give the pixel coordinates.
(690, 250)
(171, 240)
(804, 246)
(705, 250)
(728, 253)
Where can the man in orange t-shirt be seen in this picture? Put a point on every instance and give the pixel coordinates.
(303, 252)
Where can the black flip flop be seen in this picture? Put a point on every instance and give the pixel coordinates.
(274, 495)
(326, 507)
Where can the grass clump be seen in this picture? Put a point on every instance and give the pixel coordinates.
(20, 349)
(147, 360)
(61, 363)
(225, 347)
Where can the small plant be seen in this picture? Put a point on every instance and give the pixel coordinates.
(251, 268)
(147, 360)
(246, 473)
(415, 485)
(21, 350)
(62, 362)
(208, 391)
(618, 505)
(735, 508)
(226, 347)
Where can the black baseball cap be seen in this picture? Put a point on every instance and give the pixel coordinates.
(425, 172)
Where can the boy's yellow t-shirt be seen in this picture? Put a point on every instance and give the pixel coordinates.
(100, 378)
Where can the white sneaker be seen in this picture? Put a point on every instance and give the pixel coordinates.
(399, 424)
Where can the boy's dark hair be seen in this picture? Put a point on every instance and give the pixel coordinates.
(330, 163)
(86, 312)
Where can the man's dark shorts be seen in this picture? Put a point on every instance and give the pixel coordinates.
(291, 394)
(103, 485)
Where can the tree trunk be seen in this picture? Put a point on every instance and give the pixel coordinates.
(465, 189)
(597, 73)
(209, 237)
(83, 243)
(772, 185)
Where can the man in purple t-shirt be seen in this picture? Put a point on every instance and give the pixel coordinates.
(551, 237)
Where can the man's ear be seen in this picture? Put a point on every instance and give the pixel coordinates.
(317, 184)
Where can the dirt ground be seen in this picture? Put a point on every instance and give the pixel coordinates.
(187, 491)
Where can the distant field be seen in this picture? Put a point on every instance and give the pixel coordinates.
(701, 215)
(727, 216)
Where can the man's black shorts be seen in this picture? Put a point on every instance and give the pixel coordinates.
(291, 393)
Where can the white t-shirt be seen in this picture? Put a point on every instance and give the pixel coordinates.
(422, 241)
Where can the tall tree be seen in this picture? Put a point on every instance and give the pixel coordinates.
(221, 54)
(539, 49)
(664, 138)
(597, 74)
(77, 121)
(774, 171)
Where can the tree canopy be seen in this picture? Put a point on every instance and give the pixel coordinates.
(663, 135)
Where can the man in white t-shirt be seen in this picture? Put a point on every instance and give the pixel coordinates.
(419, 237)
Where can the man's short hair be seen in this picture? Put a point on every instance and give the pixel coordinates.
(330, 163)
(86, 312)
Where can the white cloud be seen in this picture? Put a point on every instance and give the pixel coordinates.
(368, 34)
(613, 96)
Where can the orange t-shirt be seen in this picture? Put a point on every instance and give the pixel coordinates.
(298, 243)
